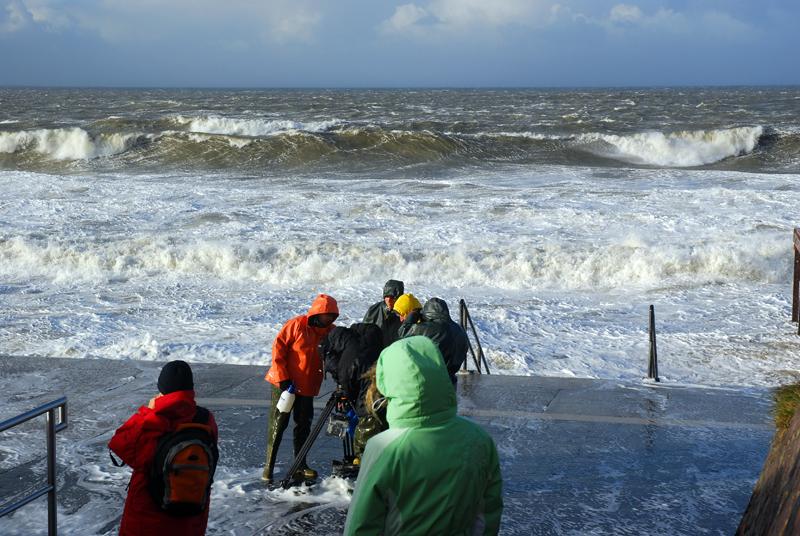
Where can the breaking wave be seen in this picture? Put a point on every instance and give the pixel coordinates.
(219, 141)
(676, 149)
(67, 143)
(214, 124)
(553, 266)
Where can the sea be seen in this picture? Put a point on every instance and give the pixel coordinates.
(156, 224)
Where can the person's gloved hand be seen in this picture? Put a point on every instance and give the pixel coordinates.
(285, 384)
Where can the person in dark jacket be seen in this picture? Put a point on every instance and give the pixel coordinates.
(382, 314)
(434, 322)
(348, 354)
(135, 442)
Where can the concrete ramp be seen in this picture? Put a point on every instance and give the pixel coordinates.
(578, 456)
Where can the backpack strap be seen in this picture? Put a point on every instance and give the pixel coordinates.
(199, 421)
(116, 463)
(201, 415)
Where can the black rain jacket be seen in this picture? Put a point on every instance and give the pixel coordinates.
(436, 324)
(348, 353)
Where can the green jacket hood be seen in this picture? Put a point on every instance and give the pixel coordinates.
(436, 310)
(411, 374)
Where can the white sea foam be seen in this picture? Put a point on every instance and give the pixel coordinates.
(215, 124)
(676, 149)
(66, 143)
(516, 266)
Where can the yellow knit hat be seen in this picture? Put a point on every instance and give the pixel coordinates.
(405, 304)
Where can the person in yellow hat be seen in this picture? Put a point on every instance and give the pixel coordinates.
(408, 308)
(405, 305)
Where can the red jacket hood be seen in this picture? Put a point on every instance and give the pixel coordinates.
(175, 404)
(323, 304)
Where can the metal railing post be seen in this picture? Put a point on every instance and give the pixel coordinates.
(56, 420)
(462, 321)
(796, 279)
(652, 369)
(52, 526)
(466, 320)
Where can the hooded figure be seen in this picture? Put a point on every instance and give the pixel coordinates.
(381, 314)
(136, 442)
(435, 323)
(431, 472)
(296, 361)
(348, 353)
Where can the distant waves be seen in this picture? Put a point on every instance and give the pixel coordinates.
(215, 141)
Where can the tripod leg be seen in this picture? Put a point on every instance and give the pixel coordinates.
(300, 457)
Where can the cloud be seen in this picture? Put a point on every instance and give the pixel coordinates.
(44, 13)
(462, 16)
(715, 24)
(625, 13)
(278, 21)
(14, 18)
(630, 21)
(404, 19)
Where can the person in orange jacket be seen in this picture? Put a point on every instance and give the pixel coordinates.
(296, 362)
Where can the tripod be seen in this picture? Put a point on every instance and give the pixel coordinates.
(339, 403)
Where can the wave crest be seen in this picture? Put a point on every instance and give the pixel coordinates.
(66, 143)
(215, 124)
(676, 149)
(554, 266)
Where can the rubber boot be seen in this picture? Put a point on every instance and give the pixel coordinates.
(303, 416)
(277, 425)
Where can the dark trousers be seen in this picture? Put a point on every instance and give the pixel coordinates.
(303, 414)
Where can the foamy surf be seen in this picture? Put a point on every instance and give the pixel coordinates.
(215, 124)
(558, 234)
(67, 143)
(675, 149)
(509, 266)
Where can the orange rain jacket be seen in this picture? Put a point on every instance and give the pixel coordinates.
(294, 353)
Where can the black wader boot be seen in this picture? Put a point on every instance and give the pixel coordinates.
(303, 414)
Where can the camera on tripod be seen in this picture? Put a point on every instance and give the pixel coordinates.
(339, 422)
(338, 426)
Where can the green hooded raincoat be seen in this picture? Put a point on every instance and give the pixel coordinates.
(432, 472)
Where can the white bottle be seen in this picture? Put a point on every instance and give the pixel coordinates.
(286, 401)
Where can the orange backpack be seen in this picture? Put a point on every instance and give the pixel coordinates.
(183, 467)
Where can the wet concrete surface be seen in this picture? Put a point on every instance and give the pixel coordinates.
(578, 456)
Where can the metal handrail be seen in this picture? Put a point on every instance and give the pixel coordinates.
(652, 367)
(796, 279)
(53, 426)
(466, 321)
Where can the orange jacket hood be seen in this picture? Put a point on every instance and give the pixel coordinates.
(323, 304)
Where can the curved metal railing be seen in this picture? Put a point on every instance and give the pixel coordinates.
(56, 408)
(469, 326)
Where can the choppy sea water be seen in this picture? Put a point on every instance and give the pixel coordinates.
(156, 224)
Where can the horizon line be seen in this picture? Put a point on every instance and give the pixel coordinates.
(396, 88)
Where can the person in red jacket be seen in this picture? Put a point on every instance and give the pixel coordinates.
(296, 361)
(135, 443)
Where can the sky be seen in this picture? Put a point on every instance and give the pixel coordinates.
(381, 43)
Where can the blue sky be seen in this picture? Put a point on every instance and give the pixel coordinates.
(354, 43)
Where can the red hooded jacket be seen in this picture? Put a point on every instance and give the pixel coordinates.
(294, 353)
(135, 443)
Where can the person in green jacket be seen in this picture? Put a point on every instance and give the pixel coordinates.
(431, 472)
